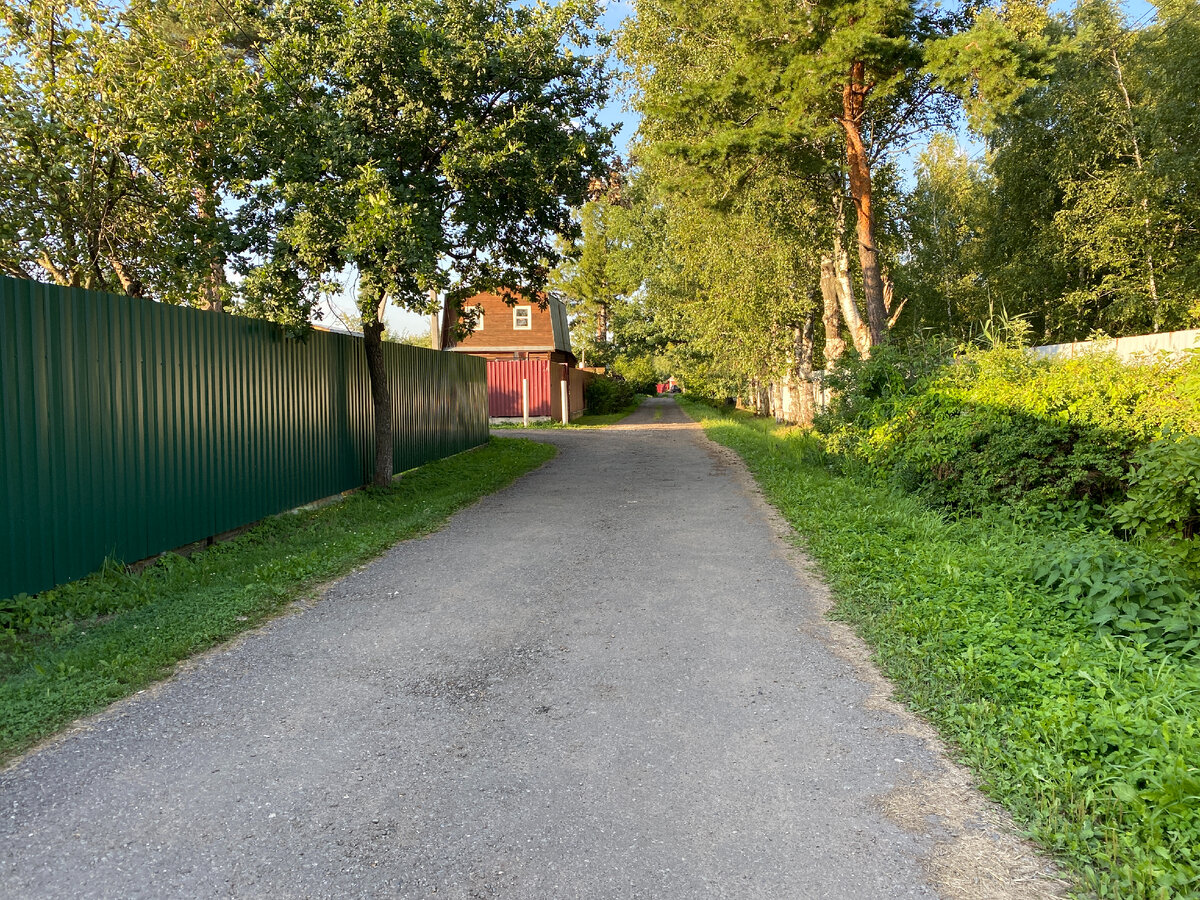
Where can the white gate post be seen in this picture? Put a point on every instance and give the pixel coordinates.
(525, 402)
(566, 397)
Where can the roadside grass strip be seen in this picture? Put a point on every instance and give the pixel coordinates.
(587, 420)
(75, 649)
(590, 421)
(1091, 740)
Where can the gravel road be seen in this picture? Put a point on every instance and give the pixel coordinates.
(611, 680)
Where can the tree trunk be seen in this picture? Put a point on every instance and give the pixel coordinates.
(854, 96)
(130, 283)
(802, 374)
(835, 345)
(381, 401)
(859, 333)
(1151, 279)
(760, 396)
(214, 283)
(60, 277)
(449, 318)
(778, 400)
(889, 302)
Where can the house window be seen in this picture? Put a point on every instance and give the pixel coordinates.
(522, 321)
(479, 318)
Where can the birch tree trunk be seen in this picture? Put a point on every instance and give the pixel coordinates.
(804, 407)
(776, 393)
(835, 345)
(860, 334)
(1151, 278)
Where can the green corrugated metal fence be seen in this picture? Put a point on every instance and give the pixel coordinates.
(130, 427)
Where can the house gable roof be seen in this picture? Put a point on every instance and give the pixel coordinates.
(558, 319)
(550, 329)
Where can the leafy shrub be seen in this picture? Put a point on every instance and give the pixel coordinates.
(607, 395)
(110, 590)
(966, 430)
(1164, 497)
(968, 456)
(867, 392)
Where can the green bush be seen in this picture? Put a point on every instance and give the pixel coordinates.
(1123, 591)
(607, 395)
(975, 428)
(1164, 497)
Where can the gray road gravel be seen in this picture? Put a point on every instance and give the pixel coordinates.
(606, 681)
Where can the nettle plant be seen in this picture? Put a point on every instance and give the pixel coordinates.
(1163, 505)
(1147, 589)
(1124, 592)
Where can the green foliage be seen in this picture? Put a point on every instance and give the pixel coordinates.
(129, 131)
(745, 147)
(592, 284)
(1049, 437)
(944, 220)
(993, 64)
(1125, 591)
(608, 395)
(435, 146)
(76, 648)
(640, 372)
(1085, 729)
(1089, 220)
(1164, 497)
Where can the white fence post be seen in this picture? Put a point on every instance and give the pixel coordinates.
(566, 396)
(525, 402)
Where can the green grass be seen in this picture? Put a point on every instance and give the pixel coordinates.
(79, 647)
(586, 420)
(1090, 740)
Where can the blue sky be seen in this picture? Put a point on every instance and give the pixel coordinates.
(613, 113)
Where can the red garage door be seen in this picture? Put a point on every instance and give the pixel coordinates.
(504, 378)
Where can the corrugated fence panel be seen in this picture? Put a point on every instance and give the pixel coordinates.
(130, 428)
(504, 387)
(443, 417)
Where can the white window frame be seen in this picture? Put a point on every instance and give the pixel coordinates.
(528, 315)
(478, 319)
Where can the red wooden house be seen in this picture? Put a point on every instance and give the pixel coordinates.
(523, 330)
(527, 347)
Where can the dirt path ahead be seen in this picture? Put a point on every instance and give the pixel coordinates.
(610, 680)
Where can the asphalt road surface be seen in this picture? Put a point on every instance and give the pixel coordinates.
(611, 680)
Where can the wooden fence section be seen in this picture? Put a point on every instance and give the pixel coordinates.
(577, 380)
(130, 428)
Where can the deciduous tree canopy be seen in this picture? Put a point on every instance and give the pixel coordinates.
(764, 128)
